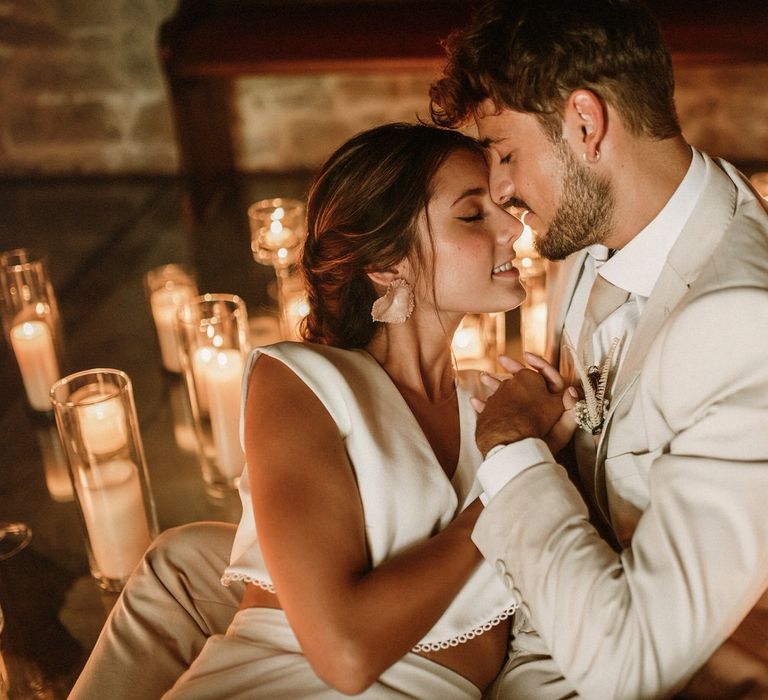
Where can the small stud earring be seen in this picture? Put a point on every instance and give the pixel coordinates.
(595, 159)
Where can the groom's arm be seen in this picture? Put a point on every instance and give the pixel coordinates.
(639, 624)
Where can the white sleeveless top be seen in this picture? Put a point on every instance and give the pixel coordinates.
(405, 493)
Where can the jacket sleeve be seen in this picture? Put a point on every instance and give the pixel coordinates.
(639, 624)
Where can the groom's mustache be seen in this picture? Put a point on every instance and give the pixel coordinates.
(515, 202)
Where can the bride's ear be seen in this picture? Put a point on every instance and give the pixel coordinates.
(383, 278)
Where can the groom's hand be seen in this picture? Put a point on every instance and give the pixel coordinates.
(522, 407)
(496, 432)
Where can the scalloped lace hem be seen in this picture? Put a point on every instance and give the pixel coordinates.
(226, 579)
(466, 636)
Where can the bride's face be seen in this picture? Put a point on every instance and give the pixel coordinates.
(472, 241)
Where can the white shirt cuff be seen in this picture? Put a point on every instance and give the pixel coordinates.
(504, 462)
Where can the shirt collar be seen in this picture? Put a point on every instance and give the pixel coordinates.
(637, 266)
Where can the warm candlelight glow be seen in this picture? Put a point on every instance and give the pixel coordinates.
(102, 424)
(165, 303)
(223, 379)
(113, 509)
(32, 343)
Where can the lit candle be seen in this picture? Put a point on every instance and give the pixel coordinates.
(469, 348)
(534, 327)
(296, 309)
(224, 382)
(277, 236)
(113, 509)
(201, 358)
(165, 302)
(102, 424)
(467, 343)
(525, 248)
(33, 346)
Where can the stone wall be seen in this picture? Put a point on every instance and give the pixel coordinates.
(81, 92)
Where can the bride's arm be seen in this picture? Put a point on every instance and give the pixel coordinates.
(352, 622)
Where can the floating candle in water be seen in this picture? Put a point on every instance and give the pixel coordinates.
(32, 343)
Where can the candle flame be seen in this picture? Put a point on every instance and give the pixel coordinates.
(279, 213)
(28, 329)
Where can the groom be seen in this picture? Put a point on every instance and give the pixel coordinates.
(663, 293)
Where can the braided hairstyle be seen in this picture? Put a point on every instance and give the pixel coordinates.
(362, 216)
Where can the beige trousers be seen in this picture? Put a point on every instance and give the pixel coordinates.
(259, 657)
(172, 603)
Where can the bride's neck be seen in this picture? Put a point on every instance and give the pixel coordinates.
(416, 359)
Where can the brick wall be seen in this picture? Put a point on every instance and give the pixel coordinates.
(81, 91)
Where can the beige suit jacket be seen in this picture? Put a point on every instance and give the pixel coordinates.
(681, 476)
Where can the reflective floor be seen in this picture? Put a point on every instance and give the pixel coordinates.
(101, 238)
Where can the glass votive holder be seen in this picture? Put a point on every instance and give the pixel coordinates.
(168, 287)
(31, 322)
(96, 419)
(278, 228)
(533, 314)
(478, 340)
(214, 336)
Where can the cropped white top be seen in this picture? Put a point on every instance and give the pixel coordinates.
(405, 493)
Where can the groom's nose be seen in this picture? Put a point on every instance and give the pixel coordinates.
(501, 186)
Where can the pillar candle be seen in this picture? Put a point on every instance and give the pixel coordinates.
(33, 346)
(165, 303)
(102, 424)
(115, 516)
(224, 379)
(534, 323)
(201, 358)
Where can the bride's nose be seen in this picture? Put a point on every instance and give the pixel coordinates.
(509, 230)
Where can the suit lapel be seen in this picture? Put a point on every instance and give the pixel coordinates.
(562, 279)
(692, 250)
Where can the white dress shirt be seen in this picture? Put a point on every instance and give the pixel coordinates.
(636, 268)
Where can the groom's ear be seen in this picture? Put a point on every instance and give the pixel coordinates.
(585, 121)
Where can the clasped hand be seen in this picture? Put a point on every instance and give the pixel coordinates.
(529, 403)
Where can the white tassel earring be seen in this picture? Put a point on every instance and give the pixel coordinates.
(396, 306)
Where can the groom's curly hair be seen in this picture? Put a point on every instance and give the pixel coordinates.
(363, 215)
(529, 55)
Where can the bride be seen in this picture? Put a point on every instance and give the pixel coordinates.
(359, 494)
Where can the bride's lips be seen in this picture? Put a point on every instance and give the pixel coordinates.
(506, 269)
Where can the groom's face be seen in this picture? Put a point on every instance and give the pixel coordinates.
(573, 205)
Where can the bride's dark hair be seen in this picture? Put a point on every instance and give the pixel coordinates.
(362, 215)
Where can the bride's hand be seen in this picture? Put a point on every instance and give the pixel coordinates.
(562, 431)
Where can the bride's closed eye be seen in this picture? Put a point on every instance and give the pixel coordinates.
(479, 216)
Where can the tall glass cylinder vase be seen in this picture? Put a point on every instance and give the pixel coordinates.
(96, 418)
(31, 323)
(168, 287)
(213, 333)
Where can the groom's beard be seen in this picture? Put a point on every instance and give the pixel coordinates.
(585, 213)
